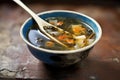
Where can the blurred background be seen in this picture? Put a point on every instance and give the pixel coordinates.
(102, 63)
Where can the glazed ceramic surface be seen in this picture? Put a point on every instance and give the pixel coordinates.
(56, 57)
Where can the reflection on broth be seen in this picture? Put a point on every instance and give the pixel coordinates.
(80, 34)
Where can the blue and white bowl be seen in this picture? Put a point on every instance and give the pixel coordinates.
(56, 57)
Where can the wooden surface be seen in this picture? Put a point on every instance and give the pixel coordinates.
(103, 63)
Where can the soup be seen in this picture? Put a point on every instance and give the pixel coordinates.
(80, 34)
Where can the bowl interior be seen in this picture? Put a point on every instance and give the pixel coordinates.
(61, 13)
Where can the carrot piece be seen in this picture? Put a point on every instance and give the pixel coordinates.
(59, 23)
(49, 44)
(62, 37)
(70, 41)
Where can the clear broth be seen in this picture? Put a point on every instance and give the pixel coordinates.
(68, 24)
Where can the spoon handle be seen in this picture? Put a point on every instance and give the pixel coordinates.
(38, 20)
(27, 9)
(34, 16)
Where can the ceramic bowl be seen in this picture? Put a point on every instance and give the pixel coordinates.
(56, 57)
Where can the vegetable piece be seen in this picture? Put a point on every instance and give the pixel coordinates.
(80, 41)
(66, 39)
(70, 41)
(49, 44)
(59, 23)
(90, 41)
(53, 22)
(78, 29)
(92, 35)
(62, 37)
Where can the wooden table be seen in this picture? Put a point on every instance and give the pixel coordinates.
(103, 63)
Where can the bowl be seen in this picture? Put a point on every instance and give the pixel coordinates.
(57, 57)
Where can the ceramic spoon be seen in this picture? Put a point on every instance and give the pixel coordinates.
(41, 23)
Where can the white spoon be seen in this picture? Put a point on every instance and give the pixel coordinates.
(41, 23)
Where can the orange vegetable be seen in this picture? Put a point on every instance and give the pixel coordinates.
(78, 29)
(66, 39)
(70, 41)
(62, 37)
(59, 23)
(49, 44)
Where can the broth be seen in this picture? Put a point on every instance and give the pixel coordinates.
(84, 35)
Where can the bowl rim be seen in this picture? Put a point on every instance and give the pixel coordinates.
(63, 51)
